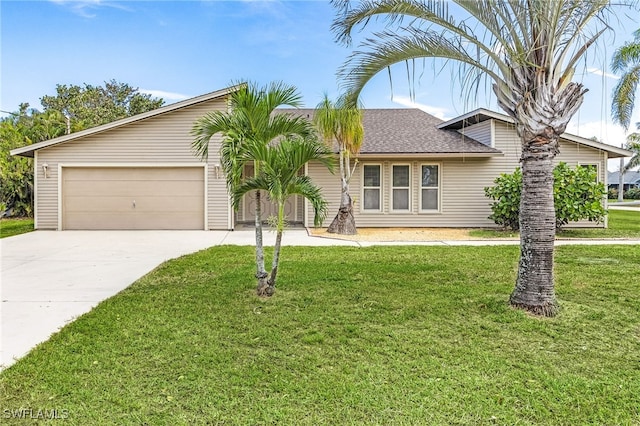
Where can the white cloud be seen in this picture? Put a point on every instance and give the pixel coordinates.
(433, 110)
(598, 71)
(164, 95)
(84, 8)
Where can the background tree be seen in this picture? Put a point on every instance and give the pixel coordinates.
(251, 120)
(89, 106)
(529, 51)
(340, 125)
(626, 61)
(633, 144)
(279, 178)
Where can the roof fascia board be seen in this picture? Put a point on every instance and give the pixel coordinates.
(383, 155)
(619, 152)
(124, 121)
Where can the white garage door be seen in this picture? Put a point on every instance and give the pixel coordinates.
(133, 198)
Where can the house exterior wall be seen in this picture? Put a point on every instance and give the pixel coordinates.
(462, 182)
(482, 132)
(160, 140)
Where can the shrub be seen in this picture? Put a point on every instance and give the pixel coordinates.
(632, 194)
(576, 193)
(506, 196)
(612, 194)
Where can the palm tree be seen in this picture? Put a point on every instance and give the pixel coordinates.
(279, 177)
(528, 49)
(633, 144)
(251, 119)
(341, 124)
(626, 60)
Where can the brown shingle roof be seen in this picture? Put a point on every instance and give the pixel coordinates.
(410, 131)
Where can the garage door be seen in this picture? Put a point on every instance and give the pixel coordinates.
(133, 198)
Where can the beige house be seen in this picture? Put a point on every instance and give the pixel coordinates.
(414, 170)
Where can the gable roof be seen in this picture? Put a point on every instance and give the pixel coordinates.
(403, 131)
(27, 151)
(630, 177)
(481, 114)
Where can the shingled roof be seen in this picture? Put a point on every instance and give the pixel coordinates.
(411, 131)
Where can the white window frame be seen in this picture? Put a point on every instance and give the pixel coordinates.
(380, 189)
(439, 188)
(393, 188)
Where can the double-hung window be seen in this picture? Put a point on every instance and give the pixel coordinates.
(429, 188)
(372, 188)
(400, 193)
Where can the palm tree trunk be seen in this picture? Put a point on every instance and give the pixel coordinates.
(621, 180)
(261, 273)
(271, 289)
(534, 290)
(344, 223)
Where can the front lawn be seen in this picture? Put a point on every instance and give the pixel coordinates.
(11, 227)
(622, 224)
(379, 335)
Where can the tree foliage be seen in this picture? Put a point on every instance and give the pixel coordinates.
(576, 194)
(89, 106)
(626, 61)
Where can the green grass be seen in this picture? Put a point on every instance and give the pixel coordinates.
(380, 335)
(622, 224)
(11, 227)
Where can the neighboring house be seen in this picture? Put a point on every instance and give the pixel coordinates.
(414, 171)
(631, 180)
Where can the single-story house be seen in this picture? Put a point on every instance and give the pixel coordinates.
(414, 170)
(631, 180)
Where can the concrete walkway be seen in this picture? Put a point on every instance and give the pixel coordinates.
(49, 278)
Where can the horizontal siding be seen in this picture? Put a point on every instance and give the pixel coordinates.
(480, 132)
(163, 139)
(463, 203)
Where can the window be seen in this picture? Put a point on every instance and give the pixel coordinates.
(430, 188)
(372, 188)
(401, 176)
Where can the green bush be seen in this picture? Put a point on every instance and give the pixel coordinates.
(612, 194)
(16, 174)
(576, 193)
(506, 196)
(632, 194)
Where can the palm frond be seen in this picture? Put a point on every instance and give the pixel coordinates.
(388, 48)
(624, 96)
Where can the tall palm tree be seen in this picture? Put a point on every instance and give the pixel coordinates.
(528, 49)
(633, 144)
(341, 124)
(626, 60)
(251, 119)
(279, 178)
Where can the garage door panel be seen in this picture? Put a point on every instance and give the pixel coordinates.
(133, 188)
(160, 221)
(131, 173)
(133, 198)
(126, 204)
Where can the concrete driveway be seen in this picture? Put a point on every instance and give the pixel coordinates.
(49, 278)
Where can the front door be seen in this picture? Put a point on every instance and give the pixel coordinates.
(246, 212)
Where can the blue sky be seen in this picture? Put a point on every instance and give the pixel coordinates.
(180, 49)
